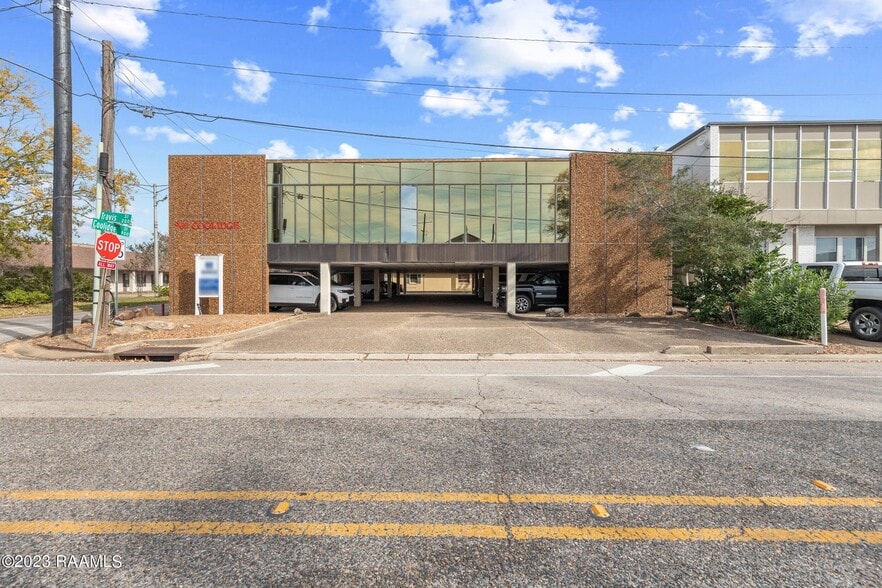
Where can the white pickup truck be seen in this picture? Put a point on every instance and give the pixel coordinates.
(865, 280)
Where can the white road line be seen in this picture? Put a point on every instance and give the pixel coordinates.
(158, 370)
(628, 371)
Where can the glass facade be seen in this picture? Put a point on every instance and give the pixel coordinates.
(445, 201)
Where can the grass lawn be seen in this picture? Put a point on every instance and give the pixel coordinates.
(15, 311)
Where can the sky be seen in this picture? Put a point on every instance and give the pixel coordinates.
(377, 79)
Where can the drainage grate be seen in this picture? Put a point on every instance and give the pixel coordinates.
(153, 353)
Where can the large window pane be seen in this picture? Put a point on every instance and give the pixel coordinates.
(330, 173)
(347, 215)
(852, 249)
(377, 173)
(362, 223)
(731, 161)
(316, 214)
(503, 172)
(825, 249)
(457, 172)
(378, 224)
(409, 214)
(546, 172)
(534, 202)
(757, 160)
(473, 199)
(869, 156)
(841, 160)
(786, 152)
(417, 172)
(457, 199)
(332, 214)
(488, 229)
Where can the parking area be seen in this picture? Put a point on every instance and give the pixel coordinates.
(461, 323)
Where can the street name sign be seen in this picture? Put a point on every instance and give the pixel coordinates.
(116, 217)
(111, 227)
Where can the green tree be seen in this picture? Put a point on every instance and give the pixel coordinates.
(559, 207)
(26, 159)
(712, 235)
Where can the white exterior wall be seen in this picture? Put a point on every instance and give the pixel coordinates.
(696, 157)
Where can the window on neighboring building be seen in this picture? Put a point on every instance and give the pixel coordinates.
(414, 278)
(841, 160)
(757, 155)
(785, 153)
(869, 164)
(814, 155)
(125, 279)
(463, 278)
(846, 249)
(825, 249)
(731, 155)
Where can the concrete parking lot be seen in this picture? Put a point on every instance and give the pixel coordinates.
(461, 324)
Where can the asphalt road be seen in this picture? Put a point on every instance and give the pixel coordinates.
(442, 473)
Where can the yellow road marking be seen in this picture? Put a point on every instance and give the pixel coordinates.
(519, 533)
(474, 497)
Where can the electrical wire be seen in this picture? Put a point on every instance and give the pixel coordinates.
(310, 26)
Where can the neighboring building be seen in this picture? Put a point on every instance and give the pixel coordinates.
(819, 179)
(132, 277)
(481, 217)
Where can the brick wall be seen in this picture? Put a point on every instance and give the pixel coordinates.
(611, 269)
(217, 205)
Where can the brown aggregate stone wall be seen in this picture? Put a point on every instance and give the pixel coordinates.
(217, 205)
(611, 268)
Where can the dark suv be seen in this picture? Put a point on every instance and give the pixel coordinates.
(540, 290)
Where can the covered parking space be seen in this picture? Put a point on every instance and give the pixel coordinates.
(474, 270)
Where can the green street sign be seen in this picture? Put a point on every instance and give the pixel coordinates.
(104, 226)
(116, 217)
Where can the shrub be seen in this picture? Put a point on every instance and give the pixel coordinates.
(82, 287)
(21, 297)
(161, 290)
(785, 303)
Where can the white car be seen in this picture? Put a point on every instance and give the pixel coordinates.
(302, 289)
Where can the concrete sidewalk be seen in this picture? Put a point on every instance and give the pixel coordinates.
(417, 327)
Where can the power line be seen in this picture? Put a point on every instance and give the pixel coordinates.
(497, 88)
(463, 36)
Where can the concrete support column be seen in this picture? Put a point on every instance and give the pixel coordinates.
(356, 282)
(488, 285)
(495, 286)
(377, 285)
(325, 288)
(511, 281)
(398, 281)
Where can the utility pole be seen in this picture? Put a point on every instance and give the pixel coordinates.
(155, 242)
(108, 119)
(62, 174)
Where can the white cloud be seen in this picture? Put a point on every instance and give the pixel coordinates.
(173, 136)
(687, 116)
(253, 84)
(137, 81)
(822, 23)
(476, 52)
(751, 109)
(624, 113)
(541, 99)
(758, 43)
(466, 103)
(278, 149)
(319, 14)
(344, 151)
(123, 25)
(580, 136)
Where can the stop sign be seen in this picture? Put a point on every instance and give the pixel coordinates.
(108, 246)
